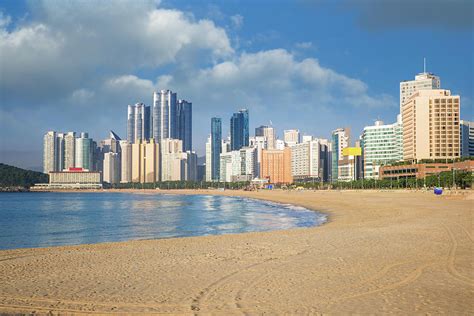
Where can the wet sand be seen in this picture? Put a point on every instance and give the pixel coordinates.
(381, 252)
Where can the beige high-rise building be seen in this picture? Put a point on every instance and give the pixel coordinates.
(125, 161)
(172, 162)
(431, 125)
(276, 166)
(69, 150)
(269, 133)
(423, 81)
(146, 162)
(291, 137)
(111, 173)
(50, 149)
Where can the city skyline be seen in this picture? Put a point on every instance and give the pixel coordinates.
(230, 72)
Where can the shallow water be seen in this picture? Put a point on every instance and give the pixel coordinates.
(53, 219)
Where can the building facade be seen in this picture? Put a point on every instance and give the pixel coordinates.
(239, 129)
(164, 122)
(216, 147)
(69, 150)
(125, 161)
(276, 166)
(291, 137)
(431, 125)
(111, 173)
(423, 81)
(466, 133)
(382, 145)
(340, 140)
(138, 123)
(308, 161)
(184, 118)
(146, 162)
(173, 166)
(50, 149)
(84, 152)
(269, 133)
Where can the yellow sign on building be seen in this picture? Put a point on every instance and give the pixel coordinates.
(352, 151)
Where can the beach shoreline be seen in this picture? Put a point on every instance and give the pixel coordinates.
(378, 252)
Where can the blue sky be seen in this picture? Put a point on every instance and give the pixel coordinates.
(312, 65)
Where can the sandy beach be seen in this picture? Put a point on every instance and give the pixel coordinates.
(381, 252)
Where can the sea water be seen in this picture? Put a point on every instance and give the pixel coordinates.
(40, 219)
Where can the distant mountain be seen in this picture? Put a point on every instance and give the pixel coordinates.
(13, 176)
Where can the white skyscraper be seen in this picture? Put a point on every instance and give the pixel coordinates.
(208, 160)
(172, 162)
(69, 150)
(423, 81)
(50, 148)
(307, 160)
(138, 122)
(83, 157)
(164, 115)
(269, 133)
(125, 161)
(292, 137)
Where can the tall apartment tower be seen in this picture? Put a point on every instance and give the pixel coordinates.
(125, 161)
(84, 154)
(138, 122)
(50, 149)
(423, 81)
(340, 140)
(431, 125)
(239, 129)
(184, 114)
(69, 150)
(466, 130)
(172, 162)
(146, 162)
(216, 147)
(269, 133)
(164, 115)
(111, 172)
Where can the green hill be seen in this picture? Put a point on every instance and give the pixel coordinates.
(12, 176)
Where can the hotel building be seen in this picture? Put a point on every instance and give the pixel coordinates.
(382, 144)
(423, 81)
(308, 160)
(431, 125)
(276, 166)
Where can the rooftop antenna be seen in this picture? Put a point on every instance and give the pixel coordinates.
(424, 64)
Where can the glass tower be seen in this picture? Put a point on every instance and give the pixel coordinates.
(184, 115)
(216, 140)
(164, 123)
(239, 130)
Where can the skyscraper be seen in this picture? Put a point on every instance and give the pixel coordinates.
(216, 147)
(292, 137)
(60, 151)
(184, 115)
(111, 173)
(69, 150)
(164, 115)
(138, 122)
(125, 161)
(84, 152)
(276, 165)
(239, 129)
(145, 162)
(269, 133)
(423, 81)
(431, 125)
(382, 145)
(172, 162)
(466, 130)
(340, 140)
(50, 148)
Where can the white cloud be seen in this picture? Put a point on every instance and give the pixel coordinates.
(237, 21)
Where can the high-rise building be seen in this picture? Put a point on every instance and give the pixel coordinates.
(382, 144)
(431, 125)
(60, 151)
(259, 143)
(146, 162)
(69, 150)
(269, 133)
(208, 167)
(230, 165)
(111, 173)
(50, 149)
(466, 129)
(349, 167)
(84, 154)
(216, 147)
(172, 160)
(308, 160)
(276, 166)
(292, 137)
(164, 115)
(184, 115)
(239, 129)
(423, 81)
(138, 123)
(340, 140)
(190, 169)
(125, 161)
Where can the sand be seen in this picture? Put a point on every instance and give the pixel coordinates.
(381, 252)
